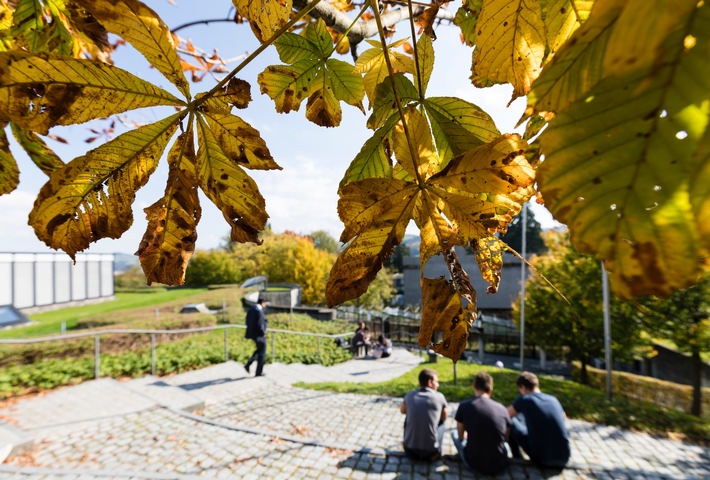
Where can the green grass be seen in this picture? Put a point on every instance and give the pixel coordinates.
(49, 323)
(579, 401)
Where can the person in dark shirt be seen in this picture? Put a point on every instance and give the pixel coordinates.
(482, 427)
(538, 425)
(256, 330)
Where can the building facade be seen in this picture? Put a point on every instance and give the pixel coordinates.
(38, 281)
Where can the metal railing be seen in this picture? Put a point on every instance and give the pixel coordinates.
(97, 334)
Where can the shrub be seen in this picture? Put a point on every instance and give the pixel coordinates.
(648, 389)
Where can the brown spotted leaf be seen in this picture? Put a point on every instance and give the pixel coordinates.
(9, 173)
(484, 188)
(265, 16)
(375, 213)
(445, 319)
(135, 22)
(91, 197)
(169, 240)
(489, 256)
(227, 185)
(238, 140)
(40, 91)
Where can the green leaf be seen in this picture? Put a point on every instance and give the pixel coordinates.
(229, 188)
(374, 158)
(467, 18)
(385, 105)
(169, 240)
(425, 58)
(9, 173)
(135, 22)
(91, 197)
(372, 63)
(42, 27)
(41, 91)
(324, 81)
(38, 151)
(458, 125)
(636, 137)
(511, 45)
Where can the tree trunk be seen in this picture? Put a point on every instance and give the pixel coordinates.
(584, 375)
(697, 406)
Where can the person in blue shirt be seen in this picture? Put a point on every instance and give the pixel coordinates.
(538, 425)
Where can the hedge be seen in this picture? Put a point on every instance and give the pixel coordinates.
(648, 389)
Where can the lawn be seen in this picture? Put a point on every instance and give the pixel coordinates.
(579, 401)
(49, 323)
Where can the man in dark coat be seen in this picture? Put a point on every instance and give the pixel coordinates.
(256, 330)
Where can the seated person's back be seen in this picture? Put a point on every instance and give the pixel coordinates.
(425, 411)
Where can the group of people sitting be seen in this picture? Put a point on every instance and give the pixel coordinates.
(381, 349)
(487, 433)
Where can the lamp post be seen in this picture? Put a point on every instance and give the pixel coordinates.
(522, 286)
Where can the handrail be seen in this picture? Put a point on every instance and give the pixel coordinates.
(153, 358)
(94, 333)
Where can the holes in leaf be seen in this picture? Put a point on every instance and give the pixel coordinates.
(664, 114)
(682, 134)
(656, 188)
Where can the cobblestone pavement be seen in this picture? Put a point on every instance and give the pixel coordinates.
(219, 423)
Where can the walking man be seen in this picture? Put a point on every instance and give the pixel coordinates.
(482, 427)
(256, 330)
(538, 425)
(425, 410)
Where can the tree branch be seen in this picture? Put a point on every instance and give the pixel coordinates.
(340, 22)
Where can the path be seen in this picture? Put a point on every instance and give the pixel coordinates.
(218, 422)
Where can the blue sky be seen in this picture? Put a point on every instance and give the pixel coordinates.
(303, 196)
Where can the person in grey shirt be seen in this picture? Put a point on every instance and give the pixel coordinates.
(425, 410)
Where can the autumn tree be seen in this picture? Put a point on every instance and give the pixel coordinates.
(618, 89)
(684, 319)
(323, 241)
(214, 267)
(533, 235)
(564, 309)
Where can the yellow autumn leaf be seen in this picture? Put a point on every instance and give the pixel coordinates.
(9, 173)
(229, 187)
(375, 213)
(135, 22)
(372, 63)
(40, 91)
(265, 16)
(576, 67)
(91, 197)
(484, 188)
(700, 190)
(636, 137)
(511, 44)
(42, 156)
(562, 18)
(169, 240)
(634, 44)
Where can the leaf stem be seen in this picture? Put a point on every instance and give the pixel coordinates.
(398, 100)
